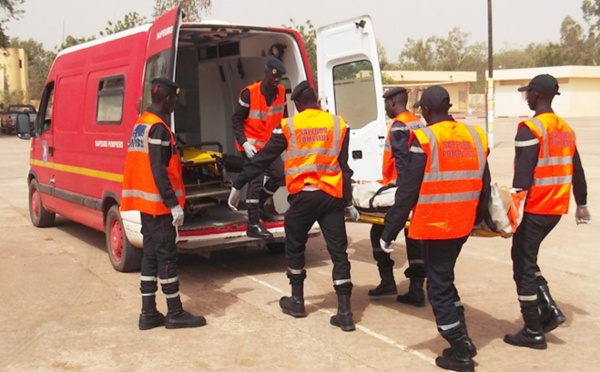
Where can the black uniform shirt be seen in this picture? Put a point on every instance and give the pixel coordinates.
(526, 158)
(399, 136)
(407, 193)
(160, 152)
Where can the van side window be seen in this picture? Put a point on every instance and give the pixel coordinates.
(354, 89)
(44, 117)
(156, 66)
(109, 108)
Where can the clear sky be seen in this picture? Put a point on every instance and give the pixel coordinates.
(516, 23)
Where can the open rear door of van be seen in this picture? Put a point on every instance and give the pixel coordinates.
(350, 85)
(161, 50)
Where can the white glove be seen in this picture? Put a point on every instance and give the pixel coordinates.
(582, 215)
(353, 213)
(178, 215)
(234, 198)
(385, 246)
(249, 149)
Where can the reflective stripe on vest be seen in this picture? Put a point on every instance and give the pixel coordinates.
(553, 174)
(262, 119)
(448, 199)
(314, 143)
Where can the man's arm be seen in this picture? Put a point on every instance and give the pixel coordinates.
(240, 114)
(407, 193)
(261, 161)
(160, 152)
(527, 148)
(484, 196)
(346, 171)
(579, 182)
(399, 135)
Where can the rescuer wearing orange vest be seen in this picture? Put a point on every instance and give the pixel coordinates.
(153, 185)
(394, 165)
(261, 106)
(546, 165)
(314, 145)
(446, 184)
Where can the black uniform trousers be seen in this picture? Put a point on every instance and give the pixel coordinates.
(306, 208)
(440, 259)
(524, 252)
(276, 179)
(414, 254)
(160, 254)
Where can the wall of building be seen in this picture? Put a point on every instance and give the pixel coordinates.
(14, 72)
(579, 88)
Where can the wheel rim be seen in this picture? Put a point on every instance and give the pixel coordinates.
(35, 205)
(116, 240)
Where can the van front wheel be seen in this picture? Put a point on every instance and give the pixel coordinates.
(124, 257)
(40, 217)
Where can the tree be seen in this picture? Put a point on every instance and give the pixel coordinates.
(192, 9)
(309, 36)
(72, 41)
(131, 19)
(418, 55)
(9, 11)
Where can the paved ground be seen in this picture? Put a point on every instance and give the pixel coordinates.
(63, 307)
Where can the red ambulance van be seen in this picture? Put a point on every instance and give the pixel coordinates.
(95, 92)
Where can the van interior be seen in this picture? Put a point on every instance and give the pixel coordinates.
(213, 64)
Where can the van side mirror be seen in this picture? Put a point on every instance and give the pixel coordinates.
(23, 126)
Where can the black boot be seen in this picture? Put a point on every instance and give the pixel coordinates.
(463, 323)
(255, 228)
(531, 335)
(415, 295)
(294, 305)
(457, 358)
(150, 317)
(179, 318)
(550, 315)
(387, 285)
(343, 318)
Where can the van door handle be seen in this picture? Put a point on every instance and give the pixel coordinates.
(51, 150)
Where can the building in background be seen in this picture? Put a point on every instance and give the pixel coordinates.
(579, 90)
(455, 82)
(14, 76)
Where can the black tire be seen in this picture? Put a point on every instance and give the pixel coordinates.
(124, 257)
(40, 217)
(277, 248)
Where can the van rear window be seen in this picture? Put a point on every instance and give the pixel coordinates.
(111, 91)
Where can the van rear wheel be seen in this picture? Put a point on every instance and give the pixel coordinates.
(124, 257)
(40, 217)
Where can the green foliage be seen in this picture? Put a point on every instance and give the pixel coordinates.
(72, 41)
(131, 20)
(9, 10)
(12, 97)
(309, 36)
(192, 9)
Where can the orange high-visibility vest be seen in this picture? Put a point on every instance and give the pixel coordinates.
(315, 140)
(449, 194)
(409, 123)
(139, 189)
(553, 174)
(262, 119)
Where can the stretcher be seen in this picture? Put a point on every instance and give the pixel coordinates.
(373, 200)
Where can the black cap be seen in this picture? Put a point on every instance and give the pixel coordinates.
(394, 91)
(304, 85)
(435, 97)
(275, 66)
(545, 83)
(165, 83)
